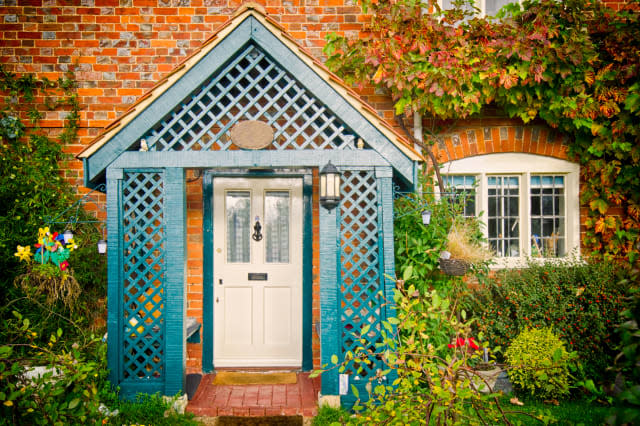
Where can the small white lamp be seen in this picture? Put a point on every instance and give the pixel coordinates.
(329, 186)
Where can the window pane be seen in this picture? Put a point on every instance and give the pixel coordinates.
(276, 219)
(547, 216)
(493, 6)
(535, 201)
(462, 187)
(448, 4)
(238, 205)
(504, 212)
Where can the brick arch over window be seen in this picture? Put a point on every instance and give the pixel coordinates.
(531, 139)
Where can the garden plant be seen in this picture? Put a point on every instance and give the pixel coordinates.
(52, 359)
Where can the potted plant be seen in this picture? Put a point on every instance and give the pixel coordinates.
(464, 248)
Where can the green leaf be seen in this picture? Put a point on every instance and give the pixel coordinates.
(408, 273)
(598, 204)
(74, 403)
(334, 359)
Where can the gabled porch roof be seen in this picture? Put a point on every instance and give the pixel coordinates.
(249, 25)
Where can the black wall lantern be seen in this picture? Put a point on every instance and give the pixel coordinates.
(329, 186)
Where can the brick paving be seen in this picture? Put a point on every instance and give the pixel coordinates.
(300, 398)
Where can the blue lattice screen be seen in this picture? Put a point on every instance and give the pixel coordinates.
(360, 302)
(251, 87)
(143, 272)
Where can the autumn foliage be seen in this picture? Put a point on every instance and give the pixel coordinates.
(575, 64)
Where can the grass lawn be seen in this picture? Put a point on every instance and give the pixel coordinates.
(567, 413)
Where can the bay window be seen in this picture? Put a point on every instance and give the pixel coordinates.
(530, 203)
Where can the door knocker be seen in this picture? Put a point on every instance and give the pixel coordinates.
(257, 235)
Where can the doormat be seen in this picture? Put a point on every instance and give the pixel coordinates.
(235, 378)
(260, 421)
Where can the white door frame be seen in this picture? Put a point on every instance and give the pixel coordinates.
(257, 342)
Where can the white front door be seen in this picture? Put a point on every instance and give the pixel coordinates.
(257, 228)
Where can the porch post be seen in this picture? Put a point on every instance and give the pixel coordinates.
(114, 278)
(385, 224)
(175, 308)
(384, 176)
(329, 309)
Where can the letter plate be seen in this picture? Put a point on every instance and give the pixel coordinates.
(255, 276)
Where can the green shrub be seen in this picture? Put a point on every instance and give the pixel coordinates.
(33, 191)
(628, 360)
(328, 416)
(418, 246)
(66, 394)
(148, 410)
(539, 364)
(580, 301)
(425, 387)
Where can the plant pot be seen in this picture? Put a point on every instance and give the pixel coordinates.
(455, 267)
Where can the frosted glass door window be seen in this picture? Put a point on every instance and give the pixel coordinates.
(238, 205)
(276, 217)
(547, 216)
(503, 218)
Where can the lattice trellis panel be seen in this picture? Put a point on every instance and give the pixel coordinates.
(360, 302)
(143, 272)
(251, 87)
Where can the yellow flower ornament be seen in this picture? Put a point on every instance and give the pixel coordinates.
(43, 232)
(23, 253)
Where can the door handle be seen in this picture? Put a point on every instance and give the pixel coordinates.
(220, 281)
(257, 235)
(217, 300)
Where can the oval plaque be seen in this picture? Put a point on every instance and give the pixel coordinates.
(251, 134)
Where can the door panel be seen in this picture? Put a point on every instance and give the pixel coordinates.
(257, 227)
(238, 312)
(277, 324)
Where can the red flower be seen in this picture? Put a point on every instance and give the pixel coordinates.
(64, 265)
(460, 342)
(472, 343)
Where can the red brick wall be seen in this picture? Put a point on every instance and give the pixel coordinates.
(122, 47)
(500, 136)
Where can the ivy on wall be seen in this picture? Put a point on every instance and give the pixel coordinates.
(32, 187)
(575, 64)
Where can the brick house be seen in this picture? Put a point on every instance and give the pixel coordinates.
(170, 161)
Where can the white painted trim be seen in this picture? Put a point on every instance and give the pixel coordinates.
(523, 165)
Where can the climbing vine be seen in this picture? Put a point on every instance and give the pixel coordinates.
(31, 183)
(575, 64)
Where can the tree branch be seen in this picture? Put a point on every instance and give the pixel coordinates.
(426, 147)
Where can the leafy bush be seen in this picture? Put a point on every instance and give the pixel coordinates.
(628, 360)
(33, 190)
(31, 182)
(418, 246)
(580, 301)
(328, 416)
(148, 409)
(539, 364)
(66, 394)
(426, 387)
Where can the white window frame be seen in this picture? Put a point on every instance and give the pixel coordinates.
(523, 165)
(480, 4)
